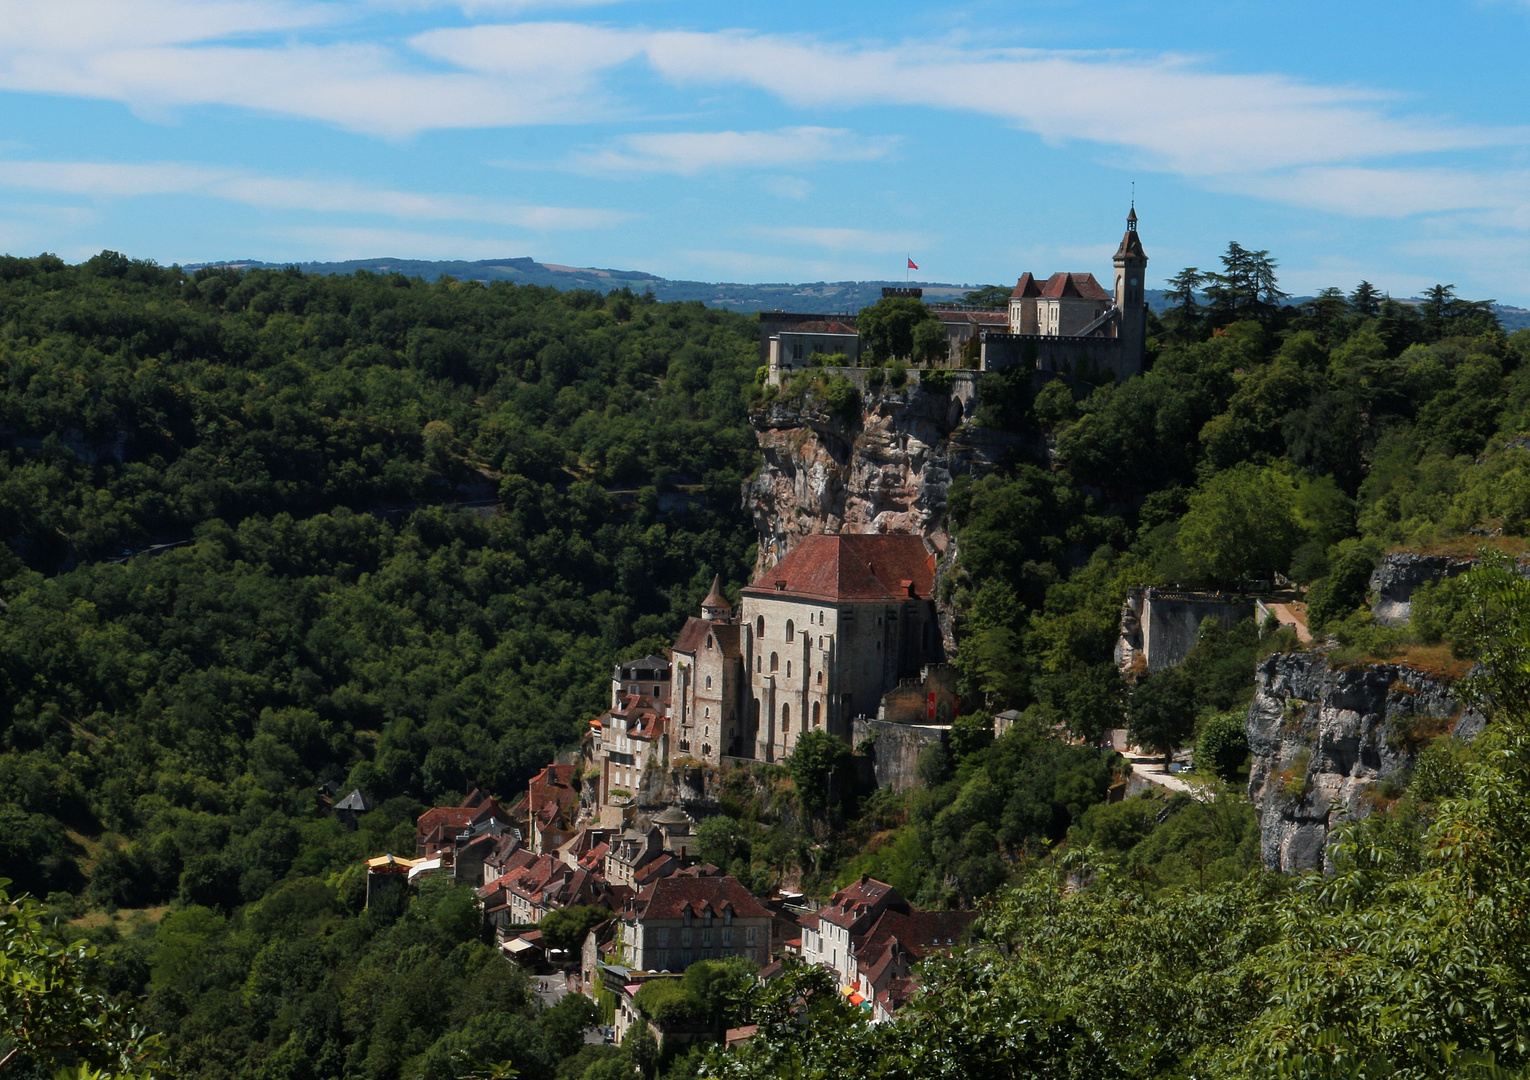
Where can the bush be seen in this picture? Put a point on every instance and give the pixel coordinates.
(897, 373)
(1222, 746)
(1345, 587)
(840, 396)
(1293, 779)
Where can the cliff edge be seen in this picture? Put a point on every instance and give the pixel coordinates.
(1323, 737)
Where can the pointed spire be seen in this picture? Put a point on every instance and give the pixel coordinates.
(716, 605)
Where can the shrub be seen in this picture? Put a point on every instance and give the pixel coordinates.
(897, 373)
(1294, 781)
(840, 396)
(1223, 745)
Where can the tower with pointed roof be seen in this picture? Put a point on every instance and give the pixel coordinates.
(1131, 301)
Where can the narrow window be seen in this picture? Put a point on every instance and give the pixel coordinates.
(775, 662)
(709, 682)
(791, 632)
(788, 669)
(759, 627)
(815, 714)
(786, 718)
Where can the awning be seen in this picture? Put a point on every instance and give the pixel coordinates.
(847, 990)
(856, 999)
(518, 946)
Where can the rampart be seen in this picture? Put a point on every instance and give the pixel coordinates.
(1088, 358)
(895, 758)
(1159, 626)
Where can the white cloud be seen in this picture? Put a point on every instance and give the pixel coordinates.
(108, 180)
(788, 187)
(690, 152)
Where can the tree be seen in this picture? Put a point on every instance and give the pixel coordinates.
(565, 928)
(888, 327)
(815, 765)
(1240, 524)
(1183, 316)
(1345, 586)
(991, 296)
(54, 1010)
(1222, 745)
(1365, 300)
(1160, 715)
(721, 840)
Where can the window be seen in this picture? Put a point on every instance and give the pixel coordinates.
(709, 682)
(709, 641)
(656, 691)
(749, 936)
(759, 627)
(707, 712)
(786, 718)
(788, 669)
(820, 676)
(820, 618)
(791, 632)
(815, 714)
(757, 663)
(663, 938)
(775, 662)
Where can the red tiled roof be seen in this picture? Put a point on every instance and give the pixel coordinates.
(671, 897)
(553, 795)
(852, 566)
(1026, 286)
(819, 327)
(857, 901)
(1131, 243)
(1082, 286)
(983, 318)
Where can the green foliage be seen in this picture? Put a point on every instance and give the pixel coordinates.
(1221, 746)
(890, 329)
(1345, 586)
(1241, 524)
(1161, 713)
(819, 767)
(58, 1015)
(565, 928)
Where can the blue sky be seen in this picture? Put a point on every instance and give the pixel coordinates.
(786, 142)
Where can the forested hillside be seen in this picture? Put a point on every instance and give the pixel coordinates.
(266, 529)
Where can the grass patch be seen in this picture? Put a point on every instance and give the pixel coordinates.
(1293, 779)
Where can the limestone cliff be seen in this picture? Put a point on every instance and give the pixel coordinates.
(1401, 574)
(884, 467)
(1323, 736)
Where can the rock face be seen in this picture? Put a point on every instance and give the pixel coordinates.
(1323, 736)
(1401, 574)
(885, 468)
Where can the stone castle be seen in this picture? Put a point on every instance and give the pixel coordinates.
(1067, 323)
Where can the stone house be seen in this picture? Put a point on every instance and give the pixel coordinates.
(792, 348)
(679, 920)
(437, 829)
(830, 935)
(648, 676)
(707, 707)
(624, 741)
(552, 806)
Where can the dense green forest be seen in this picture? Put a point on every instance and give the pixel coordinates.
(266, 530)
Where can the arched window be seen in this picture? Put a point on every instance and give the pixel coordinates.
(788, 669)
(775, 662)
(709, 682)
(791, 632)
(815, 714)
(820, 676)
(759, 627)
(709, 641)
(786, 718)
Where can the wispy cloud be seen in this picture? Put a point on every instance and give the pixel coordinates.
(111, 180)
(690, 152)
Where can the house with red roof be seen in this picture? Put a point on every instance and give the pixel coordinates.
(678, 920)
(552, 807)
(797, 346)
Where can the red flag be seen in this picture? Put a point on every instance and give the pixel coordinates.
(912, 265)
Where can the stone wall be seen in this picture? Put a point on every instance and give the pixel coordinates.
(910, 701)
(898, 746)
(1159, 627)
(1323, 736)
(1086, 357)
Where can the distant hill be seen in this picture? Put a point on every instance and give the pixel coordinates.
(820, 296)
(826, 297)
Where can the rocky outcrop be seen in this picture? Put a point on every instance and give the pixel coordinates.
(1401, 574)
(883, 468)
(1323, 737)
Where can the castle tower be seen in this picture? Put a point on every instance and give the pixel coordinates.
(715, 608)
(1131, 275)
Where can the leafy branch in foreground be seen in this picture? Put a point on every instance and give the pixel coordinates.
(53, 1011)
